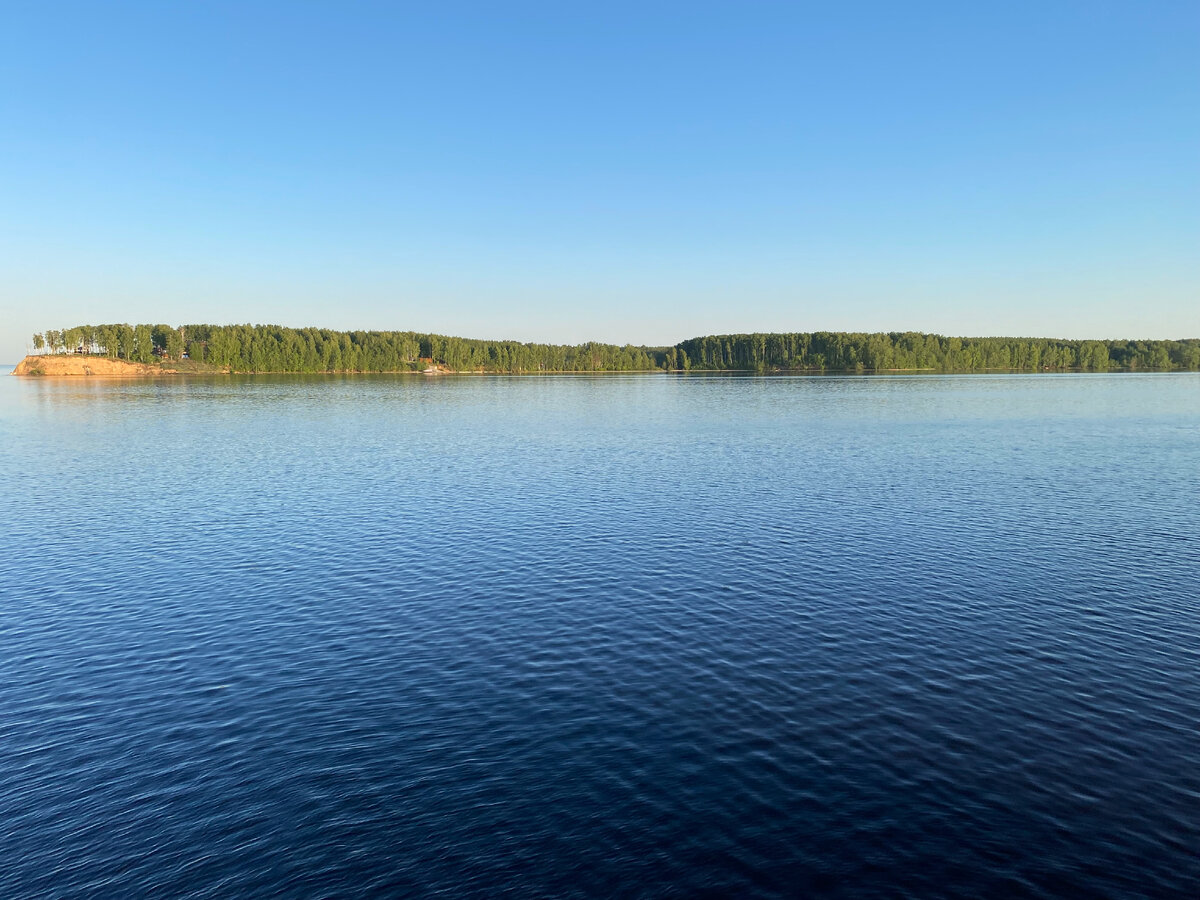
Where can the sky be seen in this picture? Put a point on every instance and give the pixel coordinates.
(626, 172)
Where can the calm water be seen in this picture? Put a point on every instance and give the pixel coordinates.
(629, 636)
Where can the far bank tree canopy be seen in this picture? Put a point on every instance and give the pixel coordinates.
(275, 348)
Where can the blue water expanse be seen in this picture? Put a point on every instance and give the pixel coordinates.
(600, 636)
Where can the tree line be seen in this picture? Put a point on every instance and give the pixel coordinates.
(275, 348)
(880, 352)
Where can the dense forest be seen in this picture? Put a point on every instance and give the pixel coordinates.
(275, 348)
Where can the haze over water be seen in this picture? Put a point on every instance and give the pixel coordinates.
(578, 636)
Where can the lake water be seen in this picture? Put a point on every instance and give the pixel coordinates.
(600, 636)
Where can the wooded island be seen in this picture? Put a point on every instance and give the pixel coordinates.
(275, 348)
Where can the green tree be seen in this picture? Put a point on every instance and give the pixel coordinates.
(143, 344)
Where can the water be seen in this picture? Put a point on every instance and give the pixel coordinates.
(625, 636)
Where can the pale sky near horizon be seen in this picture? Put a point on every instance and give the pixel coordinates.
(626, 172)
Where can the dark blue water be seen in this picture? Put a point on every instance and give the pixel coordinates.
(629, 636)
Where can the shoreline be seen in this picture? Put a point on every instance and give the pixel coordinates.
(77, 366)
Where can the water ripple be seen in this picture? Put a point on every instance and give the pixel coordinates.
(910, 637)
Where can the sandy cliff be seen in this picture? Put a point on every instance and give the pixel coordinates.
(84, 365)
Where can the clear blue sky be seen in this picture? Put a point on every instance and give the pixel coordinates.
(640, 172)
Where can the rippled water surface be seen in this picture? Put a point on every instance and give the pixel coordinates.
(625, 636)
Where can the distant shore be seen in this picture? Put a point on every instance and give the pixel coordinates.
(85, 366)
(211, 349)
